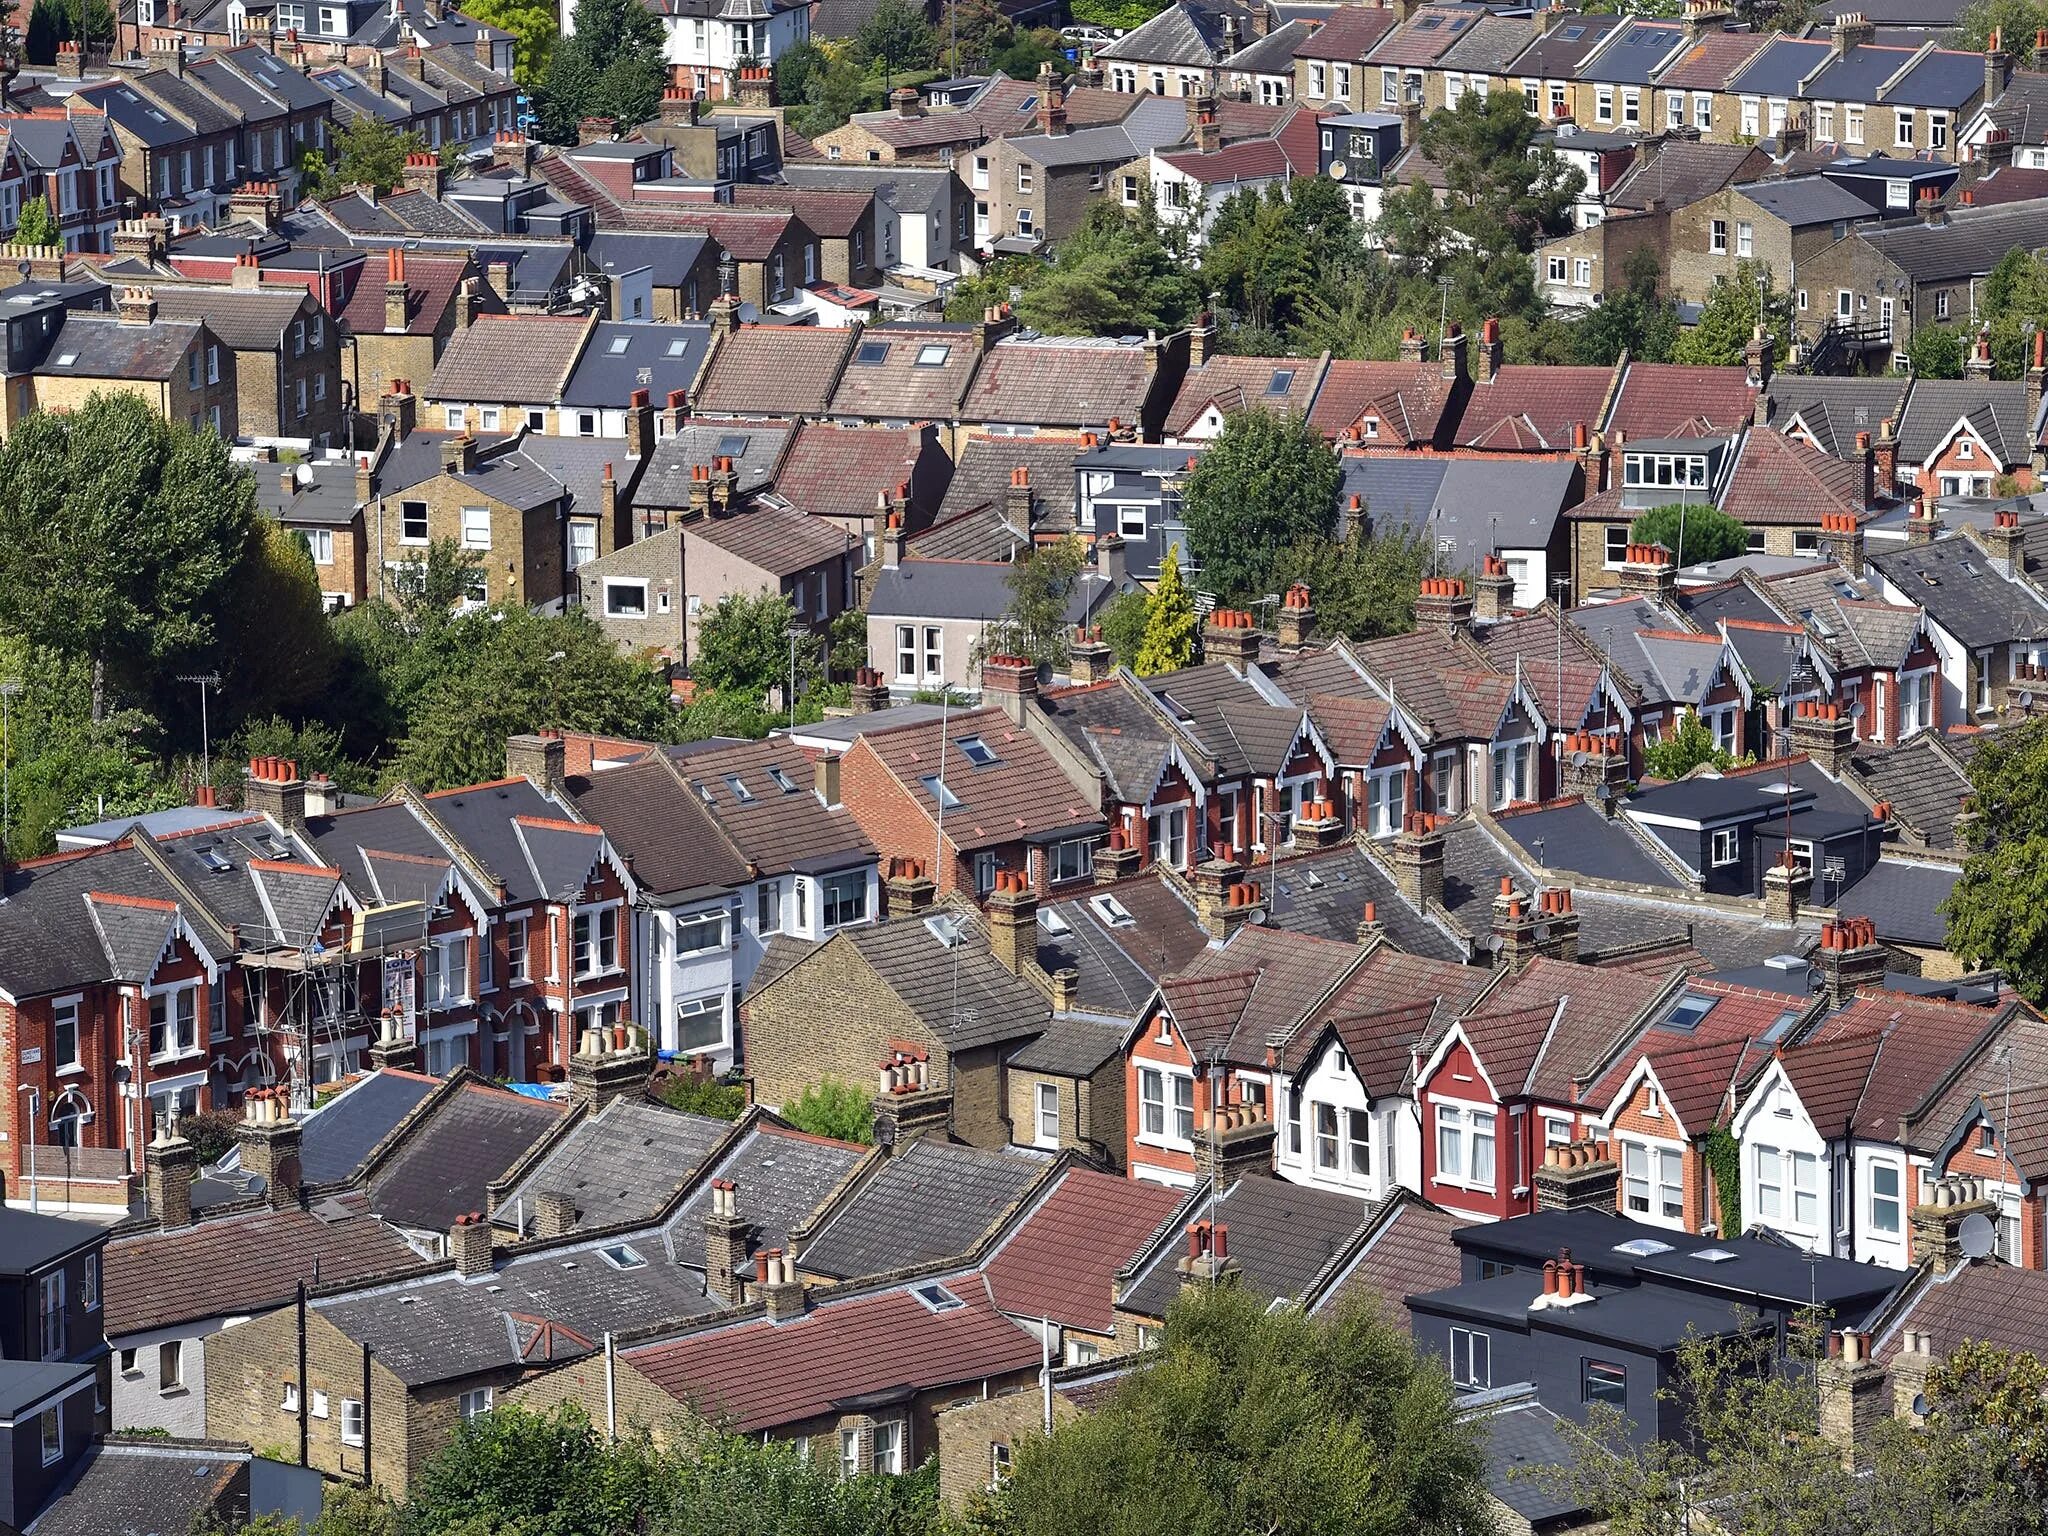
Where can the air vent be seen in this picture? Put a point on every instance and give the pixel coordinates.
(1714, 1256)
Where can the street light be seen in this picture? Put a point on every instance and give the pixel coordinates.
(205, 680)
(35, 1107)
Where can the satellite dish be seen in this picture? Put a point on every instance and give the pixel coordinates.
(1337, 169)
(1578, 759)
(1977, 1236)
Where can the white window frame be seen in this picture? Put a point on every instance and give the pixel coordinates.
(1462, 1127)
(1045, 1114)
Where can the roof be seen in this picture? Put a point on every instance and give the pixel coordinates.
(981, 477)
(1780, 479)
(619, 1165)
(453, 1151)
(1940, 77)
(1571, 835)
(1996, 410)
(1806, 200)
(959, 991)
(1954, 582)
(773, 539)
(341, 1133)
(29, 1240)
(1833, 410)
(519, 359)
(1968, 242)
(1526, 407)
(1547, 1029)
(1347, 34)
(782, 1177)
(244, 1263)
(911, 373)
(1405, 1247)
(1185, 32)
(1233, 383)
(1281, 1234)
(1709, 63)
(1679, 400)
(97, 346)
(143, 1488)
(1228, 1002)
(1682, 172)
(1518, 1438)
(840, 470)
(755, 1375)
(1021, 794)
(929, 1202)
(1996, 1304)
(1061, 382)
(1923, 783)
(1061, 1263)
(1408, 400)
(624, 357)
(247, 320)
(776, 826)
(755, 448)
(768, 370)
(1904, 898)
(430, 284)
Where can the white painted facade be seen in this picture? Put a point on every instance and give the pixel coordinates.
(142, 1398)
(1788, 1174)
(1334, 1135)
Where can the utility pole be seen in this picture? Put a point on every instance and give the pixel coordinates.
(205, 680)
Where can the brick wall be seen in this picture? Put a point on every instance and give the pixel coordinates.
(1634, 1119)
(532, 543)
(830, 1015)
(968, 1435)
(1091, 1112)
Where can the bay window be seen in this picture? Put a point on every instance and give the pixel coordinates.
(174, 1022)
(1465, 1145)
(596, 941)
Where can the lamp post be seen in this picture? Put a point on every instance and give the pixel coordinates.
(35, 1108)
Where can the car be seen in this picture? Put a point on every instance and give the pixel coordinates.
(1086, 37)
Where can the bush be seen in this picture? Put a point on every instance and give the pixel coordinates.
(704, 1096)
(833, 1108)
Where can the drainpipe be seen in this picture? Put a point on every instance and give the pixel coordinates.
(611, 1398)
(305, 1392)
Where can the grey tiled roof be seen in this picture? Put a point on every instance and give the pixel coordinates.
(619, 1165)
(1903, 897)
(1954, 582)
(1281, 1234)
(1574, 837)
(759, 445)
(1325, 893)
(1185, 33)
(101, 347)
(1996, 410)
(467, 1140)
(784, 1178)
(1518, 1440)
(1968, 243)
(1073, 1047)
(961, 993)
(1834, 410)
(1923, 782)
(131, 1489)
(931, 1201)
(341, 1133)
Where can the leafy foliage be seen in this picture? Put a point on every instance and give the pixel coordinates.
(896, 37)
(368, 152)
(539, 1474)
(1115, 275)
(1693, 534)
(1937, 352)
(1124, 620)
(1724, 1159)
(1636, 317)
(1731, 315)
(1170, 623)
(2015, 22)
(833, 1107)
(1363, 586)
(705, 1096)
(1041, 586)
(1690, 745)
(612, 67)
(37, 226)
(1267, 482)
(1276, 257)
(743, 646)
(1250, 1420)
(1998, 912)
(535, 25)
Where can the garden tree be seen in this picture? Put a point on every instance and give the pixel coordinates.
(1114, 275)
(1693, 534)
(896, 37)
(45, 31)
(37, 226)
(1364, 585)
(2015, 22)
(120, 537)
(1042, 586)
(536, 1474)
(1731, 315)
(612, 67)
(972, 32)
(277, 649)
(716, 1484)
(743, 646)
(535, 26)
(833, 1107)
(1267, 482)
(1005, 280)
(1998, 912)
(827, 89)
(1689, 746)
(566, 92)
(1025, 51)
(1123, 620)
(1115, 15)
(511, 671)
(315, 746)
(67, 767)
(368, 152)
(1937, 352)
(847, 643)
(2015, 305)
(1270, 254)
(1251, 1420)
(1636, 317)
(89, 23)
(1170, 622)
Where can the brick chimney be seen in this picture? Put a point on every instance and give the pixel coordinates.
(611, 1060)
(869, 693)
(1231, 637)
(469, 1245)
(1582, 1176)
(1017, 500)
(1493, 595)
(398, 408)
(908, 890)
(1852, 29)
(169, 1168)
(825, 779)
(1911, 1368)
(776, 1284)
(272, 787)
(1419, 860)
(679, 106)
(1884, 452)
(1010, 681)
(1937, 1222)
(1850, 959)
(906, 102)
(1923, 525)
(1089, 657)
(270, 1140)
(1590, 763)
(554, 1213)
(2037, 375)
(394, 1050)
(70, 61)
(512, 150)
(255, 202)
(639, 424)
(2004, 542)
(136, 306)
(1785, 886)
(1824, 732)
(1647, 571)
(1234, 1142)
(1451, 355)
(755, 89)
(1841, 535)
(458, 454)
(727, 1237)
(1412, 345)
(1997, 67)
(540, 758)
(1207, 1260)
(397, 305)
(1492, 352)
(1203, 127)
(1118, 857)
(423, 173)
(1013, 922)
(1222, 900)
(1852, 1401)
(1524, 929)
(1296, 623)
(1443, 604)
(1052, 106)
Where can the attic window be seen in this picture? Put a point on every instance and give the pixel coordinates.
(1779, 1025)
(678, 347)
(1281, 382)
(1571, 34)
(276, 847)
(945, 929)
(1690, 1010)
(737, 785)
(65, 360)
(783, 781)
(620, 344)
(933, 355)
(1112, 911)
(871, 353)
(215, 860)
(936, 788)
(1024, 107)
(1050, 920)
(623, 1256)
(704, 794)
(977, 751)
(1642, 1247)
(936, 1298)
(732, 446)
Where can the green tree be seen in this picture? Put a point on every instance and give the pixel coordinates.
(1170, 623)
(1267, 481)
(45, 32)
(1690, 745)
(724, 1485)
(2015, 22)
(347, 1510)
(1731, 315)
(1503, 192)
(1693, 534)
(1364, 585)
(1637, 318)
(536, 1474)
(1937, 352)
(37, 226)
(896, 37)
(1998, 912)
(612, 66)
(1257, 1420)
(1124, 620)
(277, 647)
(833, 1107)
(535, 26)
(743, 646)
(567, 92)
(120, 536)
(90, 23)
(1113, 276)
(704, 1096)
(1005, 280)
(1042, 586)
(833, 87)
(368, 152)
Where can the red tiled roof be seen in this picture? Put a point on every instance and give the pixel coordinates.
(1424, 36)
(1711, 62)
(1524, 1052)
(1925, 1038)
(430, 283)
(1530, 406)
(1410, 1253)
(2009, 184)
(757, 1375)
(1996, 1304)
(1022, 793)
(1228, 1002)
(833, 214)
(837, 470)
(1677, 400)
(1348, 33)
(1829, 1076)
(1407, 398)
(1779, 479)
(776, 370)
(1351, 725)
(1062, 1262)
(1696, 1067)
(1234, 382)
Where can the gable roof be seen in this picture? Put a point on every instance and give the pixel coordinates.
(1235, 383)
(1678, 400)
(1281, 1234)
(1062, 1262)
(840, 470)
(776, 370)
(1023, 793)
(517, 359)
(453, 1148)
(1062, 382)
(928, 1202)
(915, 373)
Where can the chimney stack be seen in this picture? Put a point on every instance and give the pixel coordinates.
(1491, 351)
(1850, 959)
(469, 1245)
(1012, 682)
(1581, 1176)
(1443, 604)
(1419, 860)
(1013, 922)
(1647, 570)
(272, 787)
(270, 1140)
(727, 1236)
(1493, 597)
(908, 890)
(1089, 657)
(1451, 355)
(611, 1061)
(397, 309)
(1296, 624)
(1851, 1397)
(1937, 1222)
(170, 1167)
(1231, 637)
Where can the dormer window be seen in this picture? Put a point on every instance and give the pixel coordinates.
(1664, 469)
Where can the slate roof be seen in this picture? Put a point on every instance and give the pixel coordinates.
(1347, 34)
(1528, 407)
(1022, 794)
(2022, 107)
(143, 1488)
(551, 1306)
(96, 346)
(246, 320)
(456, 1148)
(1709, 63)
(1921, 780)
(1834, 410)
(908, 189)
(1548, 1030)
(1281, 1234)
(519, 359)
(909, 373)
(519, 834)
(1080, 1047)
(838, 470)
(1324, 894)
(1272, 54)
(1228, 717)
(981, 477)
(1405, 1247)
(1854, 630)
(623, 357)
(1903, 897)
(1429, 31)
(777, 829)
(759, 444)
(1388, 1005)
(1228, 1003)
(1184, 33)
(959, 992)
(339, 1134)
(619, 1165)
(1061, 382)
(669, 258)
(1666, 664)
(1062, 1262)
(1571, 835)
(1233, 383)
(1116, 726)
(773, 539)
(931, 1201)
(1678, 400)
(755, 1375)
(1518, 1438)
(1995, 408)
(1480, 505)
(1953, 581)
(1681, 173)
(776, 370)
(1899, 76)
(1779, 66)
(244, 1263)
(783, 1178)
(1996, 1304)
(1969, 242)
